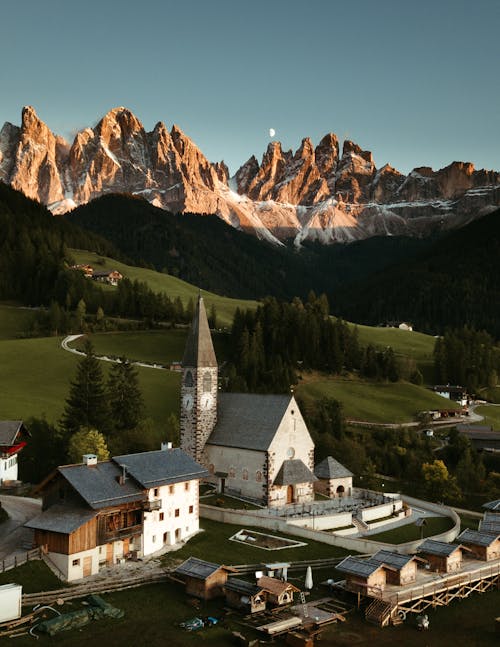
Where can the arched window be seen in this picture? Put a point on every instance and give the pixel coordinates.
(188, 379)
(258, 476)
(231, 473)
(244, 475)
(211, 468)
(207, 381)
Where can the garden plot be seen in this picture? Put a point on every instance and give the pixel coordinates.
(265, 541)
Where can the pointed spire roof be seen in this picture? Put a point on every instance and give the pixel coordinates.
(199, 349)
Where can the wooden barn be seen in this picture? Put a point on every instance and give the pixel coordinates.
(245, 595)
(442, 557)
(278, 592)
(484, 545)
(403, 568)
(204, 580)
(364, 575)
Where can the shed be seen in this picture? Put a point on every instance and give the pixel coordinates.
(245, 595)
(484, 545)
(441, 556)
(278, 592)
(403, 567)
(490, 522)
(334, 480)
(364, 575)
(203, 579)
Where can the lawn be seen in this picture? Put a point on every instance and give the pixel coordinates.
(35, 375)
(171, 285)
(14, 321)
(491, 415)
(33, 576)
(153, 346)
(214, 545)
(380, 402)
(403, 342)
(410, 532)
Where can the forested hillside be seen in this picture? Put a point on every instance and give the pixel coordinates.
(455, 283)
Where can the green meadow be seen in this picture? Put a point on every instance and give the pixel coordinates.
(375, 401)
(14, 321)
(172, 286)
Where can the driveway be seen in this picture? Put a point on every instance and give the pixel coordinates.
(14, 538)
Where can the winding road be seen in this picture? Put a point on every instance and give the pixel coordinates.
(14, 538)
(104, 358)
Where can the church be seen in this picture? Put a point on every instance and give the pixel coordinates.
(254, 446)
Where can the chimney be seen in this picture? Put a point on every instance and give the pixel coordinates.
(165, 446)
(89, 460)
(123, 476)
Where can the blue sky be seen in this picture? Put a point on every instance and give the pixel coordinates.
(415, 82)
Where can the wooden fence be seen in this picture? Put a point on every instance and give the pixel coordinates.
(16, 560)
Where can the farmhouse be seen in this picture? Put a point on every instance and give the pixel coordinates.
(203, 579)
(441, 556)
(254, 446)
(484, 545)
(334, 480)
(455, 393)
(98, 513)
(13, 437)
(111, 277)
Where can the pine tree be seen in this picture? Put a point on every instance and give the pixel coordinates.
(86, 404)
(126, 403)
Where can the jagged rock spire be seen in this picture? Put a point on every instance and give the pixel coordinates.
(199, 351)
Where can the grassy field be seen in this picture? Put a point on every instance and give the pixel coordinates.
(14, 321)
(35, 376)
(410, 532)
(33, 577)
(404, 342)
(375, 401)
(171, 285)
(214, 542)
(491, 415)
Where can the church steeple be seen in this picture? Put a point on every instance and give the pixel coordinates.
(199, 349)
(199, 386)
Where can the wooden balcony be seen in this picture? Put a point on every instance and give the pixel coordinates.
(149, 506)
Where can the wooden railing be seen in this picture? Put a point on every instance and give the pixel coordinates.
(16, 560)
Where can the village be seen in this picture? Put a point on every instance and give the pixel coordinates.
(245, 462)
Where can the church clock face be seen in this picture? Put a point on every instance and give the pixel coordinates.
(187, 402)
(206, 401)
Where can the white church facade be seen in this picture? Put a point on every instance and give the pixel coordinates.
(255, 446)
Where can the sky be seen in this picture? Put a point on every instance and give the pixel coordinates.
(416, 82)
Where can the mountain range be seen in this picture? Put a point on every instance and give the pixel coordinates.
(312, 194)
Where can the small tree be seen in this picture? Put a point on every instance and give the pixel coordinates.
(87, 441)
(125, 398)
(439, 485)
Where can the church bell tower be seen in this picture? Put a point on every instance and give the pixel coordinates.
(199, 386)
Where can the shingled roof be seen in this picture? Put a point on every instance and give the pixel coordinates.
(162, 467)
(199, 349)
(248, 420)
(396, 560)
(441, 548)
(9, 429)
(292, 472)
(242, 587)
(330, 468)
(61, 519)
(99, 484)
(358, 566)
(478, 538)
(199, 568)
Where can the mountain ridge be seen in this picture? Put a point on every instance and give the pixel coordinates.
(315, 193)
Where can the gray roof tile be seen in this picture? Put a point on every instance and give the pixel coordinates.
(61, 519)
(358, 566)
(248, 420)
(330, 468)
(162, 467)
(98, 484)
(434, 547)
(492, 505)
(479, 538)
(292, 472)
(243, 587)
(198, 568)
(9, 429)
(390, 558)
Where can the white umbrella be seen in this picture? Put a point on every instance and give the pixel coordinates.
(308, 584)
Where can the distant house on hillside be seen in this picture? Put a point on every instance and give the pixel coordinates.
(405, 326)
(87, 270)
(99, 513)
(455, 393)
(111, 277)
(13, 437)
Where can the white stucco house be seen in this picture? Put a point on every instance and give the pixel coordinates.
(96, 514)
(13, 437)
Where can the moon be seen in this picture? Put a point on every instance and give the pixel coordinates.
(272, 132)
